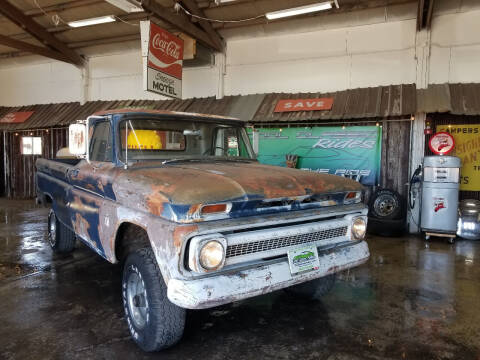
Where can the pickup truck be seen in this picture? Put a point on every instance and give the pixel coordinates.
(181, 202)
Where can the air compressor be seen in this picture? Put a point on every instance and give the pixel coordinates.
(433, 197)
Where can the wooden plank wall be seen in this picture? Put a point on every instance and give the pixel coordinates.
(394, 172)
(21, 168)
(2, 169)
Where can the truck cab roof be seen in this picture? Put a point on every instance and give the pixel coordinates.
(178, 115)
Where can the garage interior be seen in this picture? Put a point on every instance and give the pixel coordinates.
(396, 71)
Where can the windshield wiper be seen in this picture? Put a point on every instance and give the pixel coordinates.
(179, 160)
(210, 159)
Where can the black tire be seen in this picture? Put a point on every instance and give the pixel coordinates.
(154, 322)
(384, 227)
(387, 204)
(61, 238)
(313, 288)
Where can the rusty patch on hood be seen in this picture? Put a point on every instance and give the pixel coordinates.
(196, 184)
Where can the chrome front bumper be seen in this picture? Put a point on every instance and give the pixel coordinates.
(221, 289)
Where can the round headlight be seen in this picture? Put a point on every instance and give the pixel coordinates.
(211, 255)
(359, 228)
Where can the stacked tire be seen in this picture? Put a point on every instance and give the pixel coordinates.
(387, 213)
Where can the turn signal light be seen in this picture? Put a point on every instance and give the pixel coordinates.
(353, 197)
(212, 209)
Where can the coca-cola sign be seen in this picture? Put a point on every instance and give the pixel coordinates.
(165, 51)
(170, 48)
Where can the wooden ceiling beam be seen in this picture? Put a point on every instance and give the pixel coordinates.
(180, 22)
(192, 6)
(33, 28)
(39, 50)
(424, 14)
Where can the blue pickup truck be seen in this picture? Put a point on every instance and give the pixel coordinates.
(196, 221)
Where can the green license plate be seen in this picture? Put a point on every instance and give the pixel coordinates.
(303, 259)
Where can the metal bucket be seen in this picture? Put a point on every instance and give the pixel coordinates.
(468, 226)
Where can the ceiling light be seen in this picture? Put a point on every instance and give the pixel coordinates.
(92, 21)
(301, 10)
(126, 5)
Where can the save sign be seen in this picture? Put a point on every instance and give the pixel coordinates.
(163, 57)
(287, 105)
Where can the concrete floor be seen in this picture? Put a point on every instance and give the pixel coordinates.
(412, 300)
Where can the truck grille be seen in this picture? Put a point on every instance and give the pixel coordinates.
(285, 241)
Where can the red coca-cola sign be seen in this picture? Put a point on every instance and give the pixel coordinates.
(165, 51)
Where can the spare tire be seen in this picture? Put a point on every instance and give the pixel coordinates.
(387, 204)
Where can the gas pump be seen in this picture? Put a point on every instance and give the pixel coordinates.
(440, 189)
(434, 190)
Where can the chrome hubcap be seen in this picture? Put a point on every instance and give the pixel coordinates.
(137, 300)
(385, 205)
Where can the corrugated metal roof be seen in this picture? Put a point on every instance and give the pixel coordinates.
(63, 114)
(245, 107)
(379, 102)
(457, 99)
(393, 100)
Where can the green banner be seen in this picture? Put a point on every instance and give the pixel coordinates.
(353, 152)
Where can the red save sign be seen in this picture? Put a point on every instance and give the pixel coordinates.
(16, 117)
(304, 104)
(165, 51)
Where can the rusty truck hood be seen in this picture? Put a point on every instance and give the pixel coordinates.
(193, 183)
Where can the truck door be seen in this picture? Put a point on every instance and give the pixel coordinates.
(92, 186)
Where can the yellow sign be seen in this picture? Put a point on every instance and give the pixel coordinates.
(144, 140)
(467, 148)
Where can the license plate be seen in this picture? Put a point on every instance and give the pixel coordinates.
(303, 259)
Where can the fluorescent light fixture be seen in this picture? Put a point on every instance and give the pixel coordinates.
(327, 5)
(126, 5)
(92, 21)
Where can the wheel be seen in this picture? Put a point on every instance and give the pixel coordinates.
(313, 288)
(387, 204)
(451, 240)
(154, 322)
(425, 236)
(61, 238)
(386, 227)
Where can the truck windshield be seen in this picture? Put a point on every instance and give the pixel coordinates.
(159, 139)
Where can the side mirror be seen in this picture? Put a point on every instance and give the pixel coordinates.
(77, 139)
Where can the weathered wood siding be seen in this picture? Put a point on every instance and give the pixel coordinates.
(395, 155)
(21, 168)
(2, 169)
